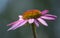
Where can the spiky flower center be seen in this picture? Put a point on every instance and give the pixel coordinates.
(31, 14)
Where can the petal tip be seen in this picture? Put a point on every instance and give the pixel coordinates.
(44, 12)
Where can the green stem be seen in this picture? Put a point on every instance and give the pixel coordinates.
(34, 30)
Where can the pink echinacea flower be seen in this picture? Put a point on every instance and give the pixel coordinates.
(32, 16)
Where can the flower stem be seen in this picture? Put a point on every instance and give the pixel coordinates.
(34, 31)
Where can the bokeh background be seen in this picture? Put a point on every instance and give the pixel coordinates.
(10, 9)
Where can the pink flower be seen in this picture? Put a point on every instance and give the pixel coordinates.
(32, 16)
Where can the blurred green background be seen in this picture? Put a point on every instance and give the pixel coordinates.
(10, 9)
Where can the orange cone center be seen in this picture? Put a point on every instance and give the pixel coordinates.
(31, 14)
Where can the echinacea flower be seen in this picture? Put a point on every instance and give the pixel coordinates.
(32, 16)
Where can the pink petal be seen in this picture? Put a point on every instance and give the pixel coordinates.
(42, 21)
(49, 15)
(47, 18)
(31, 21)
(36, 23)
(20, 18)
(44, 12)
(17, 23)
(21, 24)
(12, 23)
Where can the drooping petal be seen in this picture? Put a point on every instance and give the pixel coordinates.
(44, 12)
(20, 18)
(47, 18)
(12, 23)
(42, 21)
(21, 24)
(13, 26)
(31, 21)
(36, 23)
(49, 15)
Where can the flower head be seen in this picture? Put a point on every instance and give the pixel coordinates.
(32, 16)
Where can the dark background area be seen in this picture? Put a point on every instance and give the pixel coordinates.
(10, 9)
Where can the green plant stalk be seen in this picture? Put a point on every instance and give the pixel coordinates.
(34, 30)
